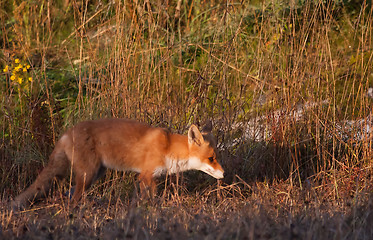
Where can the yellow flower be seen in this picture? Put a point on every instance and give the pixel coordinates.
(30, 79)
(6, 69)
(28, 66)
(16, 60)
(20, 80)
(18, 68)
(13, 78)
(25, 69)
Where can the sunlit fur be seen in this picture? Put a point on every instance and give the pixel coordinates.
(92, 146)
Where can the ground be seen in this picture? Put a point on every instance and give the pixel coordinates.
(236, 211)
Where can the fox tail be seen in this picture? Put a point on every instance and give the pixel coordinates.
(57, 168)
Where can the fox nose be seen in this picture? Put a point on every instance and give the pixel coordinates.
(222, 175)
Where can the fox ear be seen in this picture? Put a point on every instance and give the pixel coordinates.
(195, 136)
(208, 127)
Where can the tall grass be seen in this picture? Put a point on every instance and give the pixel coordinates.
(285, 84)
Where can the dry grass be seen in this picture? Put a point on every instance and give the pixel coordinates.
(286, 84)
(262, 212)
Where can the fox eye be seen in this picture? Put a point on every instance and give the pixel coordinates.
(211, 159)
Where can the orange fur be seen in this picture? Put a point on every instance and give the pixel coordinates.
(120, 144)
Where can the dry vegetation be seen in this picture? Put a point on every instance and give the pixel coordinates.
(285, 82)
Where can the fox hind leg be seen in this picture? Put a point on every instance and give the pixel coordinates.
(100, 174)
(83, 181)
(85, 177)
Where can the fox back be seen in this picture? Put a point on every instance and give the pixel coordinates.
(126, 145)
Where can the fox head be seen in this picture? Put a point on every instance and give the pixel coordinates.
(202, 151)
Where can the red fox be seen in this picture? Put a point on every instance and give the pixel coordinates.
(92, 146)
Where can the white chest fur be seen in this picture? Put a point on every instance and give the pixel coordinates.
(177, 165)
